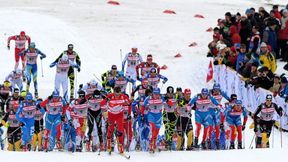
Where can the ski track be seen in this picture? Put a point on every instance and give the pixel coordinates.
(98, 32)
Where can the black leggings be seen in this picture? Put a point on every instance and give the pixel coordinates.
(97, 117)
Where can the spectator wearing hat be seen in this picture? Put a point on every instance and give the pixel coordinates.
(283, 35)
(213, 51)
(235, 37)
(266, 58)
(254, 46)
(232, 57)
(263, 79)
(276, 11)
(241, 59)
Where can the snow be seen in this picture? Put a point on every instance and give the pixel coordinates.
(99, 30)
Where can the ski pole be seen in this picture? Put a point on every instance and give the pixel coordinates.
(42, 68)
(250, 146)
(10, 134)
(76, 76)
(273, 136)
(280, 127)
(121, 56)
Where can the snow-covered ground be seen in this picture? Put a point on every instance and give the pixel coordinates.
(99, 30)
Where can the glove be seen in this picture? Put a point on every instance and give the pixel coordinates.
(164, 81)
(243, 127)
(209, 54)
(135, 114)
(142, 118)
(70, 122)
(138, 78)
(42, 57)
(52, 65)
(78, 69)
(38, 107)
(8, 47)
(129, 117)
(222, 127)
(63, 118)
(6, 125)
(255, 129)
(281, 113)
(50, 97)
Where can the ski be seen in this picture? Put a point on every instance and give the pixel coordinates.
(124, 155)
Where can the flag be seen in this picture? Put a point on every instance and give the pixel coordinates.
(210, 72)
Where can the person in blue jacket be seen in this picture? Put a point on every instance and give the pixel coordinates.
(202, 104)
(233, 115)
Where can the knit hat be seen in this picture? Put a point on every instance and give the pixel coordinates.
(263, 44)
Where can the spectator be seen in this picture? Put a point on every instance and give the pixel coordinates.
(232, 57)
(262, 80)
(212, 45)
(245, 31)
(276, 86)
(276, 12)
(241, 59)
(235, 37)
(283, 35)
(266, 58)
(269, 35)
(255, 40)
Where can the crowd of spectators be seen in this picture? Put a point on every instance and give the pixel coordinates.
(251, 44)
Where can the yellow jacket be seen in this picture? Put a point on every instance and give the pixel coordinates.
(269, 61)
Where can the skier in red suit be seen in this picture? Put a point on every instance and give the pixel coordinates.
(20, 41)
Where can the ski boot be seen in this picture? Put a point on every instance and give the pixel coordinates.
(109, 147)
(203, 145)
(36, 94)
(232, 146)
(88, 144)
(239, 145)
(151, 148)
(209, 146)
(138, 146)
(196, 142)
(217, 144)
(78, 148)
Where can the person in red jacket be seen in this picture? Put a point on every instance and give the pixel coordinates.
(116, 102)
(146, 67)
(283, 35)
(276, 12)
(20, 41)
(235, 37)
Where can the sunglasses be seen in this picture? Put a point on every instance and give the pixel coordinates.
(269, 100)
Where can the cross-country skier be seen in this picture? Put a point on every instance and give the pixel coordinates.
(94, 116)
(184, 123)
(233, 117)
(132, 58)
(154, 78)
(140, 114)
(216, 114)
(115, 102)
(15, 78)
(141, 89)
(26, 115)
(77, 113)
(20, 41)
(38, 128)
(63, 67)
(263, 117)
(155, 105)
(202, 105)
(75, 59)
(145, 67)
(5, 90)
(31, 55)
(13, 125)
(169, 116)
(107, 78)
(55, 106)
(91, 86)
(122, 81)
